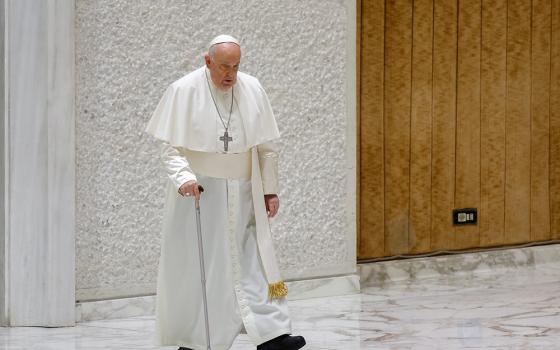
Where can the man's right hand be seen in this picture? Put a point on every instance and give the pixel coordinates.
(189, 189)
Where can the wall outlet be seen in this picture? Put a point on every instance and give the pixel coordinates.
(465, 216)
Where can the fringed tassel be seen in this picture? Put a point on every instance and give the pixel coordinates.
(277, 290)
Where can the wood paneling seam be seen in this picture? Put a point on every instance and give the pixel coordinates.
(410, 126)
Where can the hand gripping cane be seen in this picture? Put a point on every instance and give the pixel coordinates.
(202, 273)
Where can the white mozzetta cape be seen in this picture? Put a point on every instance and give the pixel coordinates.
(186, 116)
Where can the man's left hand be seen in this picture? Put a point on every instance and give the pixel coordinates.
(272, 203)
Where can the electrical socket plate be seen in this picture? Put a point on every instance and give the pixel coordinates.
(465, 216)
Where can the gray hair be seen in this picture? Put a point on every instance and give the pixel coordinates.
(212, 51)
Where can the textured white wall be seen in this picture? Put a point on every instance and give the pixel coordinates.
(128, 51)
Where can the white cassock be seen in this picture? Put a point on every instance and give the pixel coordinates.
(244, 287)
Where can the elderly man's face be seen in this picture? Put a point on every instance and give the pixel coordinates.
(223, 65)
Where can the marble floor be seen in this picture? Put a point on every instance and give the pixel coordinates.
(509, 310)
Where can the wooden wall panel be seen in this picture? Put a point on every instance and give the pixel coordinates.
(421, 128)
(372, 236)
(444, 113)
(493, 115)
(459, 107)
(518, 122)
(467, 188)
(555, 122)
(398, 34)
(540, 114)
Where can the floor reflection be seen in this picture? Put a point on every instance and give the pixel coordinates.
(512, 310)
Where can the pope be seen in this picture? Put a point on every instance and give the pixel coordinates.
(217, 130)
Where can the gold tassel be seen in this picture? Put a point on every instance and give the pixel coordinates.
(277, 290)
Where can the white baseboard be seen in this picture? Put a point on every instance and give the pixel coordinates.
(145, 306)
(463, 264)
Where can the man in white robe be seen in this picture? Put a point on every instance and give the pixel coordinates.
(216, 125)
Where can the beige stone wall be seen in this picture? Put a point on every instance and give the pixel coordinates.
(128, 51)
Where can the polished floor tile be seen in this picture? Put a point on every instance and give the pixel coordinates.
(509, 310)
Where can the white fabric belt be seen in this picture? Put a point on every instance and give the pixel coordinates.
(220, 165)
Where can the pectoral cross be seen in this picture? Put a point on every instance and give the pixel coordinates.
(226, 138)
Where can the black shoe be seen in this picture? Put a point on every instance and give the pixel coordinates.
(283, 342)
(181, 348)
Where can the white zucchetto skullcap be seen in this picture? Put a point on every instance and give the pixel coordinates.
(220, 39)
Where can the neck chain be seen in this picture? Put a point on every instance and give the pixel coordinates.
(226, 126)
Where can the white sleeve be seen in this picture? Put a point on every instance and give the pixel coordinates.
(176, 165)
(268, 161)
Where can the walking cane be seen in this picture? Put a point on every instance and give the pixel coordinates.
(202, 271)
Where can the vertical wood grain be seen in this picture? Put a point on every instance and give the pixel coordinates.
(518, 123)
(482, 127)
(372, 238)
(398, 31)
(493, 115)
(358, 127)
(421, 128)
(555, 122)
(444, 113)
(467, 189)
(540, 114)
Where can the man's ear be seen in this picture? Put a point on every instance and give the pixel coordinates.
(207, 59)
